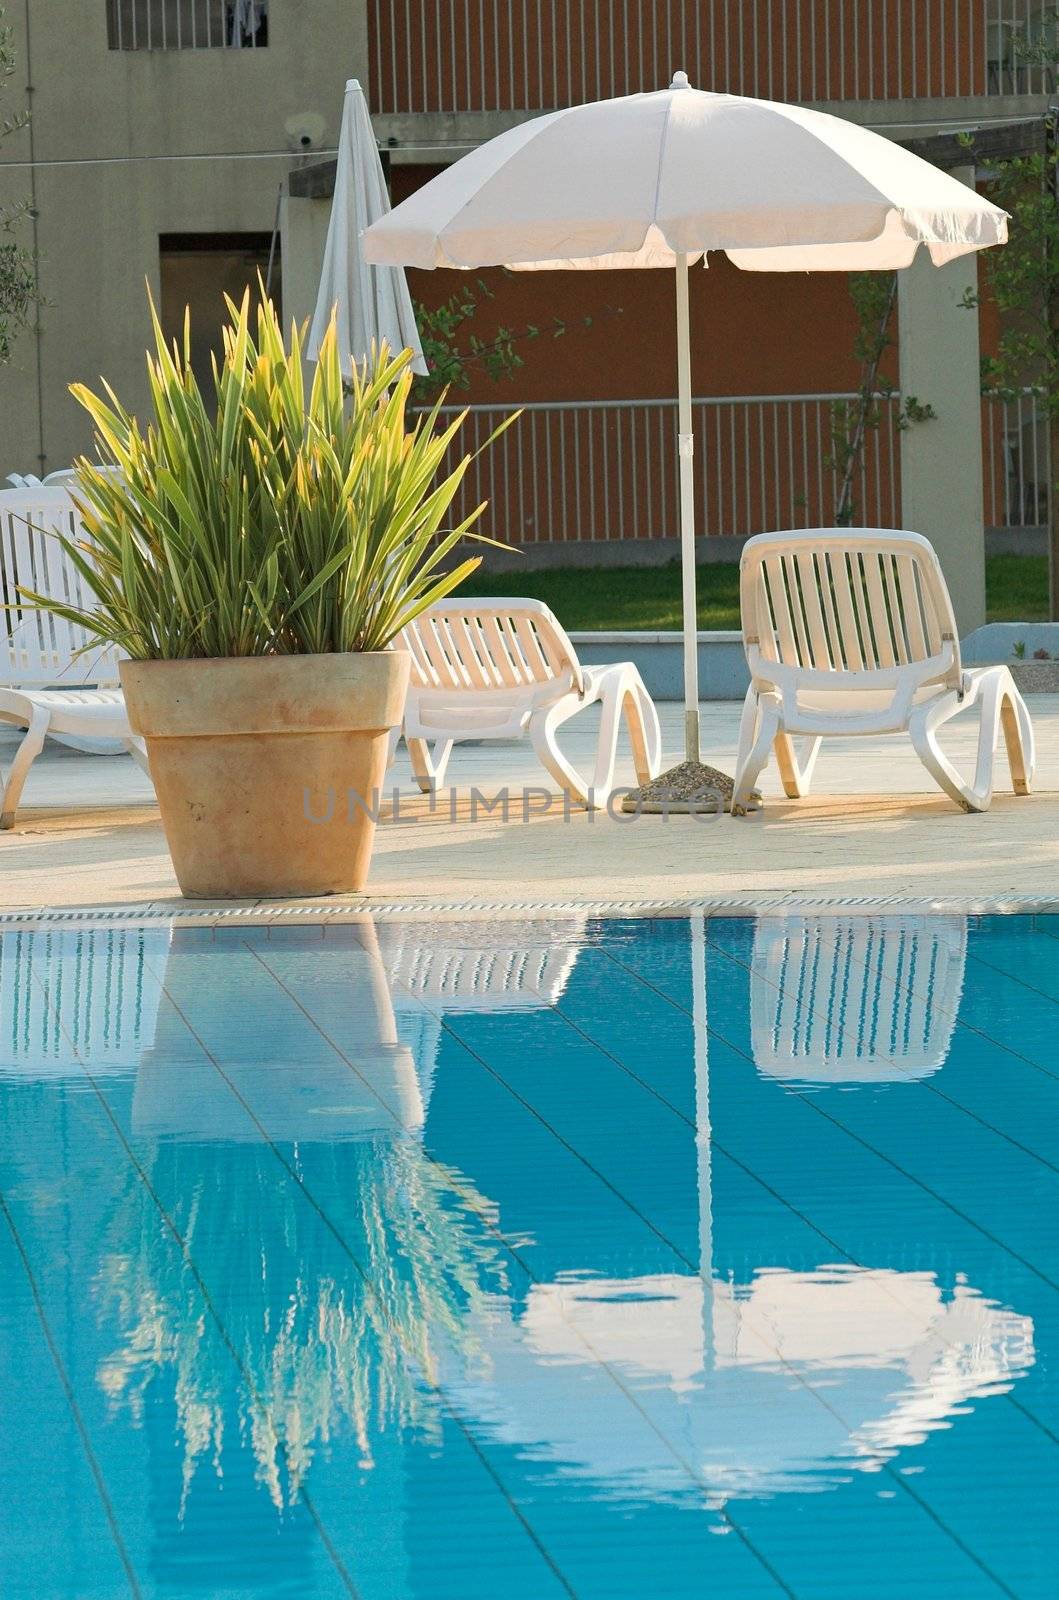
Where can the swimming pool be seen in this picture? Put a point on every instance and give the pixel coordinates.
(514, 1258)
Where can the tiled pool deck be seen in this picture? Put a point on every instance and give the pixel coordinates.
(89, 836)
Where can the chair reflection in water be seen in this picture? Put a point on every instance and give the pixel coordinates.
(855, 999)
(71, 1001)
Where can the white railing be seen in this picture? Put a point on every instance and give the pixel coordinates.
(1022, 38)
(598, 472)
(1015, 448)
(187, 24)
(499, 55)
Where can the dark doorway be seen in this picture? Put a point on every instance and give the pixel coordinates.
(198, 270)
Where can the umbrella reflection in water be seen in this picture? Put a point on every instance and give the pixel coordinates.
(791, 1381)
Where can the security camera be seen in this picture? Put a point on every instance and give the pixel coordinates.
(305, 132)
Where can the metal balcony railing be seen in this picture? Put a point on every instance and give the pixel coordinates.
(603, 472)
(1015, 446)
(533, 55)
(187, 24)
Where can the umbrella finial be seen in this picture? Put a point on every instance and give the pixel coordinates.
(680, 81)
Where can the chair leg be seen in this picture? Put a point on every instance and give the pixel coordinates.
(923, 730)
(1018, 738)
(429, 767)
(924, 740)
(645, 732)
(137, 749)
(26, 754)
(392, 741)
(796, 762)
(1000, 706)
(542, 729)
(626, 696)
(758, 731)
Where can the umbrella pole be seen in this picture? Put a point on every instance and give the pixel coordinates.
(690, 786)
(686, 454)
(703, 1134)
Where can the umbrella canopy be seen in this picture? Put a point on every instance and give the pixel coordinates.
(374, 306)
(657, 180)
(641, 180)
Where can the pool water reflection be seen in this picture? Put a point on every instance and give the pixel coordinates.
(528, 1258)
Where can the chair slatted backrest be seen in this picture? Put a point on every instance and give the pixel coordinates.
(482, 645)
(846, 600)
(847, 999)
(37, 648)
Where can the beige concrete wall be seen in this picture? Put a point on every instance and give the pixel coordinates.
(101, 207)
(303, 235)
(941, 460)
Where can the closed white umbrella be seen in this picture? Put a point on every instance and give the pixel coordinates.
(657, 180)
(374, 306)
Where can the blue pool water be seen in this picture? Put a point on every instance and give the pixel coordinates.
(527, 1259)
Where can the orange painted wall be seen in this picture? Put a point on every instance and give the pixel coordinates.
(452, 56)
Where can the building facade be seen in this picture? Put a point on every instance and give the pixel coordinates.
(161, 132)
(185, 142)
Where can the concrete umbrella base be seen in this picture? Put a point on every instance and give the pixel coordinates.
(269, 769)
(690, 787)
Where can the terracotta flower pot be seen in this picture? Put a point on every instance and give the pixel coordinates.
(269, 769)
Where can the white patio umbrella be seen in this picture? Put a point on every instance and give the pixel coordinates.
(658, 180)
(374, 306)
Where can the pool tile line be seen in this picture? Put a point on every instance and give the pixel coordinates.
(1032, 988)
(338, 911)
(857, 1138)
(71, 1401)
(171, 1226)
(432, 1384)
(506, 1244)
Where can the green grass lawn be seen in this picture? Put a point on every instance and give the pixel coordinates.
(648, 598)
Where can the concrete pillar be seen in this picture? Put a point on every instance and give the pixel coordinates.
(941, 460)
(303, 234)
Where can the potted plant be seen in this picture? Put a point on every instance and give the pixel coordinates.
(253, 562)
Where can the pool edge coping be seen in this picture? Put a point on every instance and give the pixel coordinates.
(315, 913)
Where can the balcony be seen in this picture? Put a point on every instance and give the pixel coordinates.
(187, 24)
(605, 473)
(454, 56)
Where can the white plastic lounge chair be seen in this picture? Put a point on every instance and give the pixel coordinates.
(855, 999)
(46, 686)
(67, 477)
(505, 669)
(850, 632)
